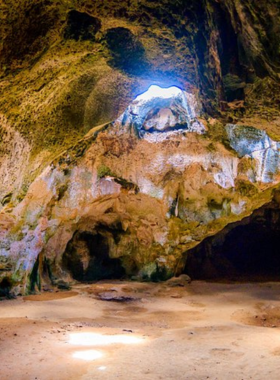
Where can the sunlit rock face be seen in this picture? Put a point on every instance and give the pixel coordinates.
(162, 110)
(14, 154)
(127, 200)
(255, 144)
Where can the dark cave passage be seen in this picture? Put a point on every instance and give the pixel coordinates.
(87, 258)
(5, 287)
(245, 251)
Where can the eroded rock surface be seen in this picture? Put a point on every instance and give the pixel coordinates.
(256, 145)
(132, 206)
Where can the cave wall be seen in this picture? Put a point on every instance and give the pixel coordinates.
(69, 66)
(149, 197)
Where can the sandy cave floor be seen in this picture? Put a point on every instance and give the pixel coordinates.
(200, 331)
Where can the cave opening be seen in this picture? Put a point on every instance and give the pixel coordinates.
(155, 91)
(244, 251)
(87, 258)
(163, 110)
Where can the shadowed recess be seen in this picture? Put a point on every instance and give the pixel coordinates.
(127, 52)
(81, 26)
(87, 258)
(248, 250)
(5, 287)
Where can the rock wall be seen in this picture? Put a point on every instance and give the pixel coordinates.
(127, 203)
(148, 189)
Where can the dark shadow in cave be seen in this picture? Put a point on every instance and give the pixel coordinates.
(87, 258)
(81, 26)
(35, 281)
(245, 251)
(232, 56)
(5, 287)
(127, 52)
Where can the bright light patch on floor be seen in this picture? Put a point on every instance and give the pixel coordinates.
(91, 339)
(88, 355)
(159, 92)
(102, 368)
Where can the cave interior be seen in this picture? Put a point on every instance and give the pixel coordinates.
(245, 251)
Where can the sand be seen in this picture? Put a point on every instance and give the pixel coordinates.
(200, 331)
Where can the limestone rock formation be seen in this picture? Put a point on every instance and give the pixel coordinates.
(129, 205)
(259, 147)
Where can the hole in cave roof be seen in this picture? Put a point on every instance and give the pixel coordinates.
(161, 110)
(155, 91)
